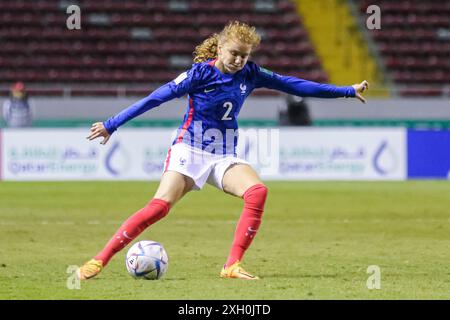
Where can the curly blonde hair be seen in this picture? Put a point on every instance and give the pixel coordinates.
(234, 30)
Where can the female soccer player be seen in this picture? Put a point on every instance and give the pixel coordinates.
(217, 84)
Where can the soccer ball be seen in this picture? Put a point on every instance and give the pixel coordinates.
(147, 260)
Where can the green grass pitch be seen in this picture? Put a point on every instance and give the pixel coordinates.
(316, 241)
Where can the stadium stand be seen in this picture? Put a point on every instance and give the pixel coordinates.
(136, 45)
(414, 43)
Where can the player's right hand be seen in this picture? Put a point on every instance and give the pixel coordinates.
(98, 130)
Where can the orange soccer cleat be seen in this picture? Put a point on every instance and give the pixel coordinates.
(90, 269)
(237, 272)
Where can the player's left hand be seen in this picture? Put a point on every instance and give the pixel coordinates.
(359, 89)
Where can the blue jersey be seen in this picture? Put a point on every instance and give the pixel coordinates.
(215, 99)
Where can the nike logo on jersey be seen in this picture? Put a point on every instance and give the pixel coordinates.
(209, 90)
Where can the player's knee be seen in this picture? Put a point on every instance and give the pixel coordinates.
(170, 197)
(256, 195)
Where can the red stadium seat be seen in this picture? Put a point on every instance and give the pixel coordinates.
(408, 42)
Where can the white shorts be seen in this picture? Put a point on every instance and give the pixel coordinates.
(203, 167)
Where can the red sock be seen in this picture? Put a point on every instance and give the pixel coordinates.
(254, 199)
(132, 227)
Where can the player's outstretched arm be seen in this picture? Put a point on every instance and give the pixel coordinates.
(99, 130)
(174, 89)
(157, 97)
(359, 90)
(305, 88)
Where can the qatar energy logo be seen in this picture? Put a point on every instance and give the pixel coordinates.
(50, 155)
(343, 154)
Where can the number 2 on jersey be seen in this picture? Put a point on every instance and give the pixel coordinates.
(228, 105)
